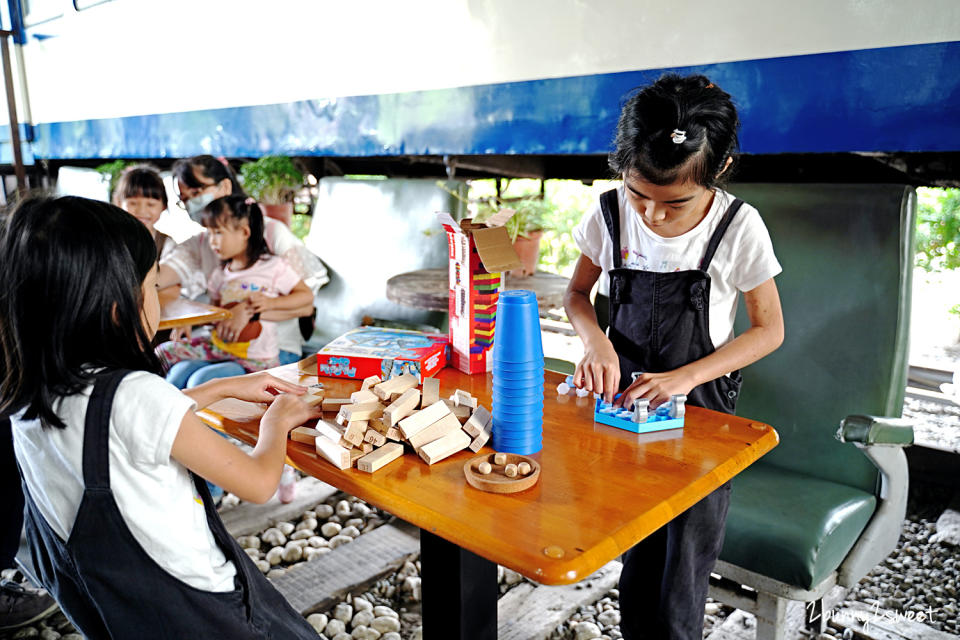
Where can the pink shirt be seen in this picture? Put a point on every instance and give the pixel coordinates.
(273, 277)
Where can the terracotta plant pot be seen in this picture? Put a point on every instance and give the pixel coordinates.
(528, 249)
(282, 212)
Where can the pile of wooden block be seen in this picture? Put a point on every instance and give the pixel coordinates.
(371, 427)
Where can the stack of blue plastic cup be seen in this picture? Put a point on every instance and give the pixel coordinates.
(517, 374)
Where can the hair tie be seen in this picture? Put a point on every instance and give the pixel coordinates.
(223, 161)
(678, 136)
(709, 86)
(249, 201)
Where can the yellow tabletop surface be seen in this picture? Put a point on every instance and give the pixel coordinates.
(185, 313)
(601, 489)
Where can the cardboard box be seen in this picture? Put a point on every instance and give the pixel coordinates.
(479, 254)
(368, 351)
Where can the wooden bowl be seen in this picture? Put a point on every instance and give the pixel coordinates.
(496, 481)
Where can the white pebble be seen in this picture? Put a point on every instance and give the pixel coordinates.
(249, 542)
(386, 624)
(275, 556)
(286, 528)
(307, 523)
(263, 565)
(323, 511)
(49, 634)
(586, 631)
(412, 587)
(302, 534)
(343, 612)
(362, 604)
(330, 529)
(361, 619)
(311, 553)
(274, 537)
(408, 569)
(381, 611)
(334, 627)
(336, 541)
(511, 577)
(318, 542)
(390, 635)
(365, 633)
(318, 621)
(255, 554)
(609, 618)
(343, 509)
(275, 573)
(362, 510)
(353, 522)
(342, 636)
(292, 554)
(353, 532)
(309, 513)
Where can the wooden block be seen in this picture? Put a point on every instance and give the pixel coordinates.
(374, 437)
(431, 392)
(423, 418)
(369, 382)
(397, 384)
(354, 432)
(308, 366)
(314, 397)
(381, 457)
(364, 395)
(333, 404)
(379, 425)
(462, 412)
(461, 397)
(445, 446)
(305, 435)
(329, 430)
(394, 434)
(443, 426)
(480, 440)
(474, 426)
(364, 411)
(333, 452)
(356, 454)
(366, 447)
(402, 407)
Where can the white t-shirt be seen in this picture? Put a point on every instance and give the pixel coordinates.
(271, 276)
(154, 493)
(194, 261)
(743, 260)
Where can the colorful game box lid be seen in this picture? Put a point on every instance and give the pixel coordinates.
(368, 351)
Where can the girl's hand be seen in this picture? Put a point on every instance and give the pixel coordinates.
(181, 334)
(287, 412)
(599, 371)
(260, 303)
(259, 387)
(229, 329)
(657, 387)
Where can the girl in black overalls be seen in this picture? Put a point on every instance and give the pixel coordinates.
(674, 141)
(78, 307)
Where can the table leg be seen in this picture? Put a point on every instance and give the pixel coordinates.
(459, 592)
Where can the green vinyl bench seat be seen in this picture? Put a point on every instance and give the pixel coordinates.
(793, 527)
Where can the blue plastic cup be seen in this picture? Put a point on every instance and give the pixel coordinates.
(517, 332)
(508, 429)
(518, 396)
(516, 367)
(531, 420)
(513, 411)
(520, 446)
(519, 379)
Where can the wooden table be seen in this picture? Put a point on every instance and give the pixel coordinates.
(429, 289)
(601, 490)
(186, 313)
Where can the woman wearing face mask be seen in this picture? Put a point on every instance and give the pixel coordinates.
(200, 180)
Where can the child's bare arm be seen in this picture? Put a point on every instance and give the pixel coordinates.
(763, 337)
(599, 370)
(253, 387)
(253, 477)
(278, 315)
(299, 296)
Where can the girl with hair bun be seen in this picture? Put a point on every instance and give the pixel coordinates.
(678, 252)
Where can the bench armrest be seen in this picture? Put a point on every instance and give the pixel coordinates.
(873, 430)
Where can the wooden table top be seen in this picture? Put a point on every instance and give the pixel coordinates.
(185, 313)
(429, 289)
(601, 489)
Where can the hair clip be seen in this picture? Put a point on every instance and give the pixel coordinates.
(709, 86)
(678, 136)
(249, 201)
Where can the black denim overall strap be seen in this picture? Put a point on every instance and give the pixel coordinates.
(109, 587)
(658, 322)
(661, 321)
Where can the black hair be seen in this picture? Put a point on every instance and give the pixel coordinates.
(235, 209)
(140, 181)
(70, 301)
(185, 170)
(706, 122)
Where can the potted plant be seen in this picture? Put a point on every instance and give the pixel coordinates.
(273, 181)
(525, 228)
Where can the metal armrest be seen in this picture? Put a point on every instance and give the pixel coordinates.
(882, 441)
(873, 430)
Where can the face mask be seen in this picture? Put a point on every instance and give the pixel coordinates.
(197, 204)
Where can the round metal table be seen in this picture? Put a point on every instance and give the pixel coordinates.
(429, 289)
